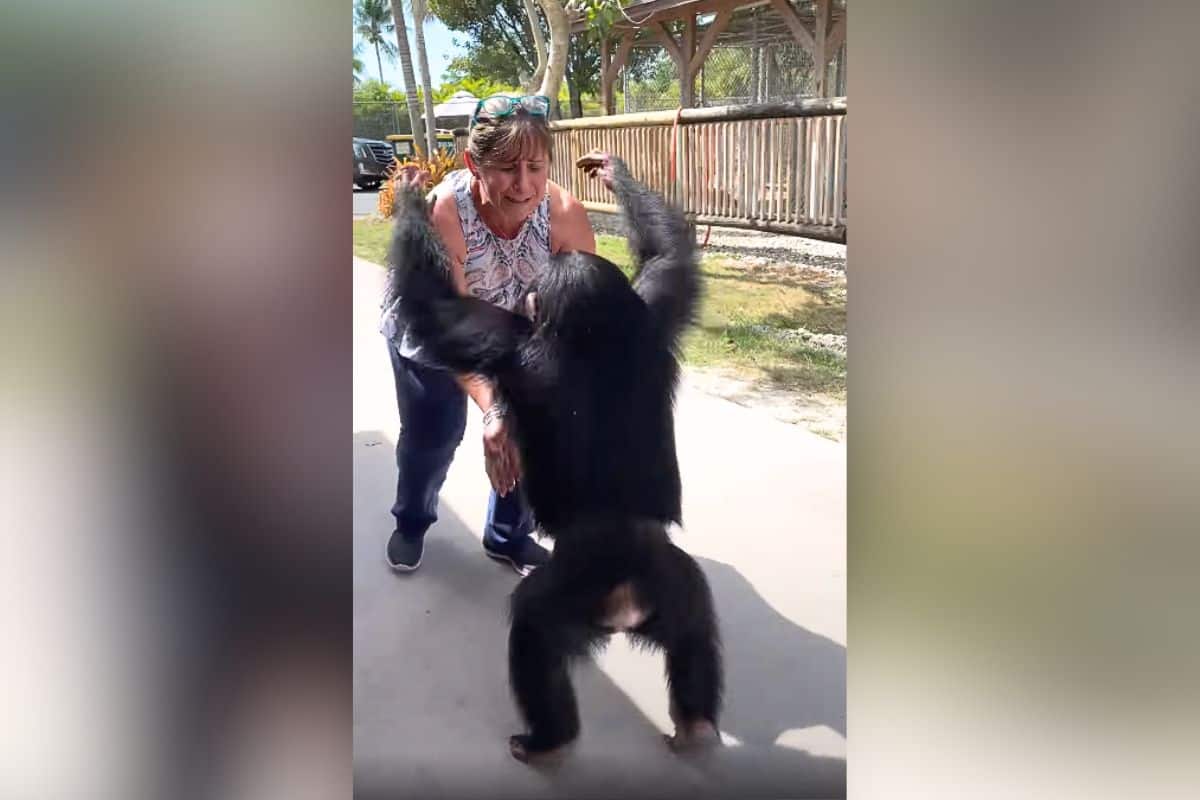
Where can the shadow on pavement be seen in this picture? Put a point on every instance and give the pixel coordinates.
(778, 675)
(432, 709)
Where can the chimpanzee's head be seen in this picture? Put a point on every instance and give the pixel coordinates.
(582, 297)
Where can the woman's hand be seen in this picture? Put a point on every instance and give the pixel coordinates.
(500, 456)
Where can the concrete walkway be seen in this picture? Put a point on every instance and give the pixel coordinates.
(764, 513)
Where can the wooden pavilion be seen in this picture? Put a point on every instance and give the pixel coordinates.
(818, 26)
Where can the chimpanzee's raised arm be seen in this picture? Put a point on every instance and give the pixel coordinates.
(664, 244)
(463, 334)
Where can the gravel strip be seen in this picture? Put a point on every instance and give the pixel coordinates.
(831, 342)
(765, 247)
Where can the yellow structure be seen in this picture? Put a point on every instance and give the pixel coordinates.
(402, 144)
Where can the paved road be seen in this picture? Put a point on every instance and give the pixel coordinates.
(764, 507)
(364, 202)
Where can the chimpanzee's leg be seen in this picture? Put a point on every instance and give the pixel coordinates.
(686, 628)
(694, 678)
(539, 646)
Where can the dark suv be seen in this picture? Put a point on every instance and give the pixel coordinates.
(372, 158)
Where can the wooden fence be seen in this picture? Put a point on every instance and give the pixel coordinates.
(778, 167)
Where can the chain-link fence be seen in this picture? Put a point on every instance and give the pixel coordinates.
(376, 119)
(755, 60)
(730, 76)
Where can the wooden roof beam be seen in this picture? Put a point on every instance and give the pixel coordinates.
(687, 78)
(822, 53)
(622, 54)
(710, 37)
(683, 54)
(611, 67)
(837, 35)
(668, 40)
(792, 17)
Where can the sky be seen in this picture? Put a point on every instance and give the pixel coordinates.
(438, 45)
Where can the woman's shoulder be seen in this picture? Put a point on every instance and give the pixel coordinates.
(453, 183)
(445, 216)
(561, 199)
(570, 228)
(449, 191)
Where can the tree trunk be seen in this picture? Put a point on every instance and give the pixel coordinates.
(575, 96)
(560, 37)
(575, 53)
(539, 42)
(419, 14)
(406, 69)
(379, 62)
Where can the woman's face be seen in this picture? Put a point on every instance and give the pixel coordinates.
(514, 188)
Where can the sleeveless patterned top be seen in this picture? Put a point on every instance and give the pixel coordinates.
(497, 270)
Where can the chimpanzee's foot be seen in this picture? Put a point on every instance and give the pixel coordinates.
(693, 736)
(522, 750)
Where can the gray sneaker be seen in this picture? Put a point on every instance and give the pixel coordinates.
(524, 555)
(403, 553)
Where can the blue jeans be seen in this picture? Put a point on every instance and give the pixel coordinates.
(433, 416)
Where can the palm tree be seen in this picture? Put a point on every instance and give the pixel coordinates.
(406, 69)
(371, 23)
(420, 9)
(358, 68)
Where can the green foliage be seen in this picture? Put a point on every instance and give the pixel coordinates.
(583, 63)
(600, 14)
(480, 87)
(496, 37)
(733, 78)
(379, 110)
(660, 74)
(373, 90)
(500, 50)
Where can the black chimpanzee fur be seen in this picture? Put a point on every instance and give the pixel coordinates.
(590, 385)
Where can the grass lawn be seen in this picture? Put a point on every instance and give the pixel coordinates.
(748, 316)
(371, 239)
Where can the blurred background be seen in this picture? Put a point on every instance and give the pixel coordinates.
(1024, 366)
(175, 480)
(175, 584)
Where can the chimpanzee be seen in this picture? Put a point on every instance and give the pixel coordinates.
(589, 378)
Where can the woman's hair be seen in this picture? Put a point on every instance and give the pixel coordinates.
(495, 141)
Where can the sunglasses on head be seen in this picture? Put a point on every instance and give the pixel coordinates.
(502, 105)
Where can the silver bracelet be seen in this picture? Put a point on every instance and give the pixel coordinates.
(495, 411)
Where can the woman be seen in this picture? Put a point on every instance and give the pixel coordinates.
(500, 220)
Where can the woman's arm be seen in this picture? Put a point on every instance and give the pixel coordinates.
(570, 228)
(445, 222)
(501, 460)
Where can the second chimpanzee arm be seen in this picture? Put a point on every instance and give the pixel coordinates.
(664, 246)
(463, 334)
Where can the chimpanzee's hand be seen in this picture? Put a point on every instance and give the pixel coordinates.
(597, 164)
(412, 178)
